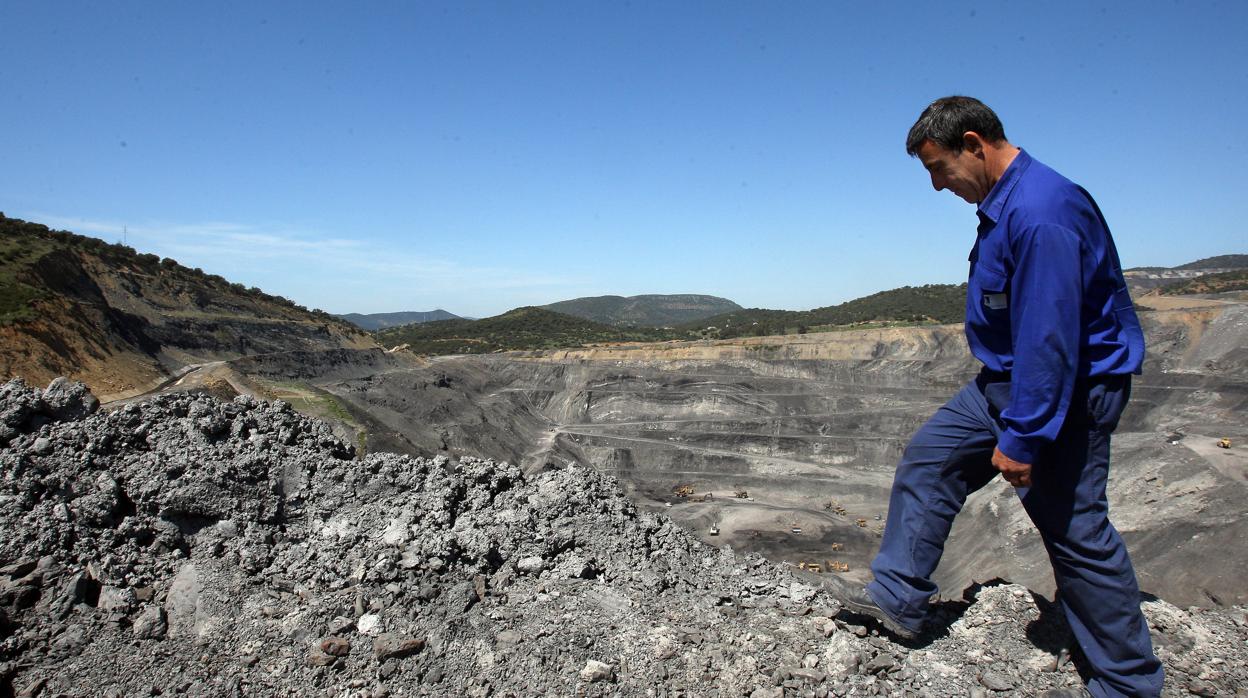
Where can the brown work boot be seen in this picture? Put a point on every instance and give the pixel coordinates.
(856, 600)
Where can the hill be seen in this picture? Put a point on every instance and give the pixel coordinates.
(541, 328)
(1209, 283)
(1143, 280)
(523, 328)
(380, 321)
(77, 306)
(644, 311)
(935, 303)
(1226, 261)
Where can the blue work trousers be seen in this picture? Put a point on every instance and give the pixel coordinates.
(950, 457)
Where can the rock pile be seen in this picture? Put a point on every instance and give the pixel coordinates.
(186, 546)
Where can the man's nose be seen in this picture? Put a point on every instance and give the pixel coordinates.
(937, 183)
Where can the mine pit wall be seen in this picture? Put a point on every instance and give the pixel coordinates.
(802, 423)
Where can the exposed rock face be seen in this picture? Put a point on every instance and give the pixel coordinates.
(812, 426)
(189, 546)
(127, 321)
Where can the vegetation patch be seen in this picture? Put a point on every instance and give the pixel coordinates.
(22, 244)
(533, 328)
(1210, 283)
(527, 328)
(17, 254)
(934, 303)
(310, 401)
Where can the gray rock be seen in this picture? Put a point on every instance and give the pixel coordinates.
(67, 400)
(531, 565)
(995, 681)
(812, 676)
(596, 671)
(151, 624)
(881, 663)
(42, 446)
(116, 600)
(341, 625)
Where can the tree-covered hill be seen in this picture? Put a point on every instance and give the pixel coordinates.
(935, 303)
(523, 328)
(652, 310)
(1210, 283)
(539, 328)
(1226, 261)
(380, 321)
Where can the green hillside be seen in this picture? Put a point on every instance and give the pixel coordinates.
(25, 248)
(523, 328)
(1210, 283)
(645, 311)
(1226, 261)
(539, 328)
(935, 303)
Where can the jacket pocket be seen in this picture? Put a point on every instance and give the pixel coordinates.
(992, 287)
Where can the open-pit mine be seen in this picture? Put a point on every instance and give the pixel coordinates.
(786, 445)
(537, 523)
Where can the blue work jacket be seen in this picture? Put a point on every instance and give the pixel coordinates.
(1046, 302)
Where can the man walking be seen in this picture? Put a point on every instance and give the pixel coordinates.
(1049, 316)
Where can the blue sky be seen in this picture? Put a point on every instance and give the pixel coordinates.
(373, 157)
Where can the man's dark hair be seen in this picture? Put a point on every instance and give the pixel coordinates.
(945, 120)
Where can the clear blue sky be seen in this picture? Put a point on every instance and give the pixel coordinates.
(371, 157)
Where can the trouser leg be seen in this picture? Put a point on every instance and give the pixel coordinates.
(946, 460)
(1095, 579)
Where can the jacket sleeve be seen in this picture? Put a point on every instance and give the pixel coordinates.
(1046, 299)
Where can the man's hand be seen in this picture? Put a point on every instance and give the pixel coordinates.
(1015, 473)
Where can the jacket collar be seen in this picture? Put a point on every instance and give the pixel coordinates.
(993, 204)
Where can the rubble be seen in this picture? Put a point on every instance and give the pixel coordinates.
(194, 547)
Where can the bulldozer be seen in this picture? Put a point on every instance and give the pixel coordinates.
(742, 494)
(862, 523)
(682, 490)
(837, 566)
(1224, 443)
(838, 546)
(810, 567)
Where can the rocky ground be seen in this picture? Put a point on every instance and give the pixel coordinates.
(186, 546)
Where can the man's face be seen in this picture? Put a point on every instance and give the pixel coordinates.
(964, 173)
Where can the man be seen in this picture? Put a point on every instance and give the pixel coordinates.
(1048, 315)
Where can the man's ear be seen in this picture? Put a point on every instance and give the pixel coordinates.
(972, 143)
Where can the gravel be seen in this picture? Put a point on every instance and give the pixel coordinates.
(187, 546)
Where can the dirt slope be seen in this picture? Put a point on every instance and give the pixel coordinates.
(124, 321)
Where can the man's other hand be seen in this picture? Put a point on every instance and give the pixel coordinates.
(1015, 473)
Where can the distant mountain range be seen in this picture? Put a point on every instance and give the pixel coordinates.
(652, 310)
(380, 321)
(78, 306)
